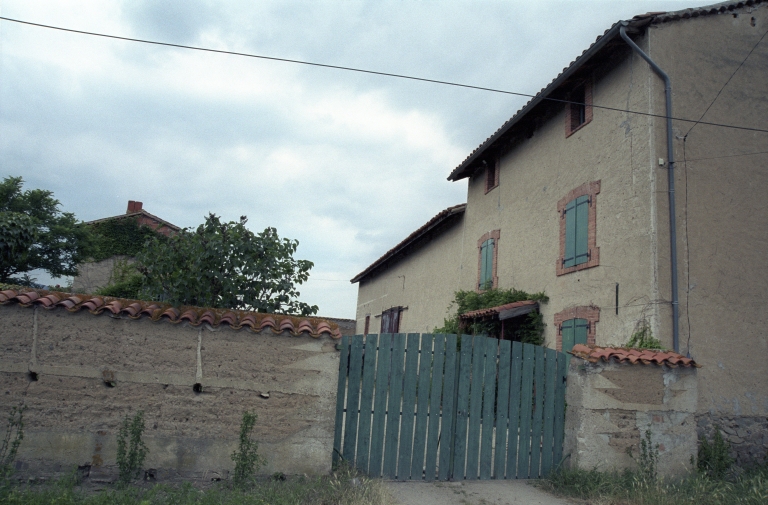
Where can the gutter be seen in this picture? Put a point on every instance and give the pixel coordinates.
(671, 178)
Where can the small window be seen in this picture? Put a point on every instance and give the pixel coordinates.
(487, 258)
(579, 109)
(390, 320)
(574, 331)
(491, 175)
(578, 235)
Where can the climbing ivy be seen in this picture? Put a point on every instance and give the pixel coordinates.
(528, 329)
(119, 237)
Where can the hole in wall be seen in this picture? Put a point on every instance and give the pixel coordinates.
(32, 376)
(197, 388)
(753, 21)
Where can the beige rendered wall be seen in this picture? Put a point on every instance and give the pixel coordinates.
(94, 275)
(424, 282)
(722, 215)
(72, 416)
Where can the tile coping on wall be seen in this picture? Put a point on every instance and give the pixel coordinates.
(594, 353)
(159, 311)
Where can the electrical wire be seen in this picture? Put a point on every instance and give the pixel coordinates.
(373, 72)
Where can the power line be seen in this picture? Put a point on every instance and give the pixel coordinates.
(372, 72)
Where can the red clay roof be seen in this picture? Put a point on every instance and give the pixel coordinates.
(158, 311)
(429, 225)
(593, 354)
(495, 310)
(633, 25)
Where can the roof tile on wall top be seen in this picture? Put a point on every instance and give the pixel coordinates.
(593, 354)
(157, 311)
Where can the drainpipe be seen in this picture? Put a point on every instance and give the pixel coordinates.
(671, 174)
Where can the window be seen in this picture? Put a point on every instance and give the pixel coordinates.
(578, 234)
(579, 111)
(576, 326)
(491, 175)
(390, 320)
(487, 259)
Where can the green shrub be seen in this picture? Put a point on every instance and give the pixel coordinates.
(714, 459)
(131, 450)
(643, 338)
(246, 457)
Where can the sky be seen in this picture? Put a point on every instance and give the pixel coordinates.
(349, 164)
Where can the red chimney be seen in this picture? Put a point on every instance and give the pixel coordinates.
(133, 207)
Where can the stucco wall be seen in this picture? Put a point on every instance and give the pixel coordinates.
(94, 275)
(72, 415)
(611, 406)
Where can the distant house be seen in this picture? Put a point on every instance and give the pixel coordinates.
(121, 237)
(572, 196)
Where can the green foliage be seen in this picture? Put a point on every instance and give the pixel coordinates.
(714, 459)
(125, 282)
(246, 456)
(14, 434)
(647, 461)
(34, 233)
(120, 237)
(228, 266)
(643, 338)
(528, 329)
(131, 449)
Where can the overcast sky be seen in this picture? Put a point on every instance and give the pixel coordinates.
(347, 163)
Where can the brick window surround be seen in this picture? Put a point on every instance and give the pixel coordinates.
(589, 312)
(495, 236)
(491, 175)
(577, 116)
(591, 189)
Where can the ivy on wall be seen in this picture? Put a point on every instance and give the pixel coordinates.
(119, 237)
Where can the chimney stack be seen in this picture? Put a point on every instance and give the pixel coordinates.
(134, 207)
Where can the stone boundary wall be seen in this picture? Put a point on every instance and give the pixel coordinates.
(747, 436)
(611, 405)
(79, 374)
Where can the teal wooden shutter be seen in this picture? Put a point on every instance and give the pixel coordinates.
(580, 331)
(569, 258)
(486, 264)
(581, 237)
(567, 332)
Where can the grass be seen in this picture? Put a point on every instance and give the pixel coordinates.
(343, 487)
(632, 488)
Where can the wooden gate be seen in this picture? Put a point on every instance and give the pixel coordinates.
(438, 407)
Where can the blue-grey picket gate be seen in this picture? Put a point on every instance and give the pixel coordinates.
(468, 407)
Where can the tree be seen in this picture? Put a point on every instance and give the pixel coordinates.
(35, 234)
(225, 265)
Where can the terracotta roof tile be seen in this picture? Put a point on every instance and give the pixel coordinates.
(593, 354)
(495, 310)
(157, 311)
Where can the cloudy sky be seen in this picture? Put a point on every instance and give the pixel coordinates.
(347, 163)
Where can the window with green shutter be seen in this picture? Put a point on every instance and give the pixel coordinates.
(486, 264)
(576, 232)
(574, 331)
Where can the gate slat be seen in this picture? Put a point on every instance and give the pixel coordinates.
(526, 397)
(420, 432)
(435, 394)
(489, 405)
(538, 411)
(515, 388)
(366, 403)
(393, 407)
(462, 408)
(562, 374)
(549, 411)
(409, 404)
(353, 398)
(380, 404)
(448, 411)
(502, 409)
(475, 406)
(340, 398)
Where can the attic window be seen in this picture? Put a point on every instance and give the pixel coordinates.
(579, 110)
(491, 175)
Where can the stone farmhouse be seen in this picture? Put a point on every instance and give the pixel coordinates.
(628, 205)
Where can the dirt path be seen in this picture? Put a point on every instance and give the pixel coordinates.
(489, 492)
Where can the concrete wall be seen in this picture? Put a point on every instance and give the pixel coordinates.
(72, 415)
(612, 405)
(94, 275)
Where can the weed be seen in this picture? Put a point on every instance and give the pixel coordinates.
(246, 457)
(642, 337)
(714, 459)
(647, 461)
(14, 434)
(130, 459)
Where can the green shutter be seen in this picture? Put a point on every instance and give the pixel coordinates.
(582, 230)
(567, 331)
(580, 330)
(569, 259)
(486, 264)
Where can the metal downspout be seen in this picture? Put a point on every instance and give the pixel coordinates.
(671, 174)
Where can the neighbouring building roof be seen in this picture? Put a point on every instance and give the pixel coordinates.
(551, 91)
(593, 354)
(136, 210)
(400, 248)
(509, 309)
(158, 311)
